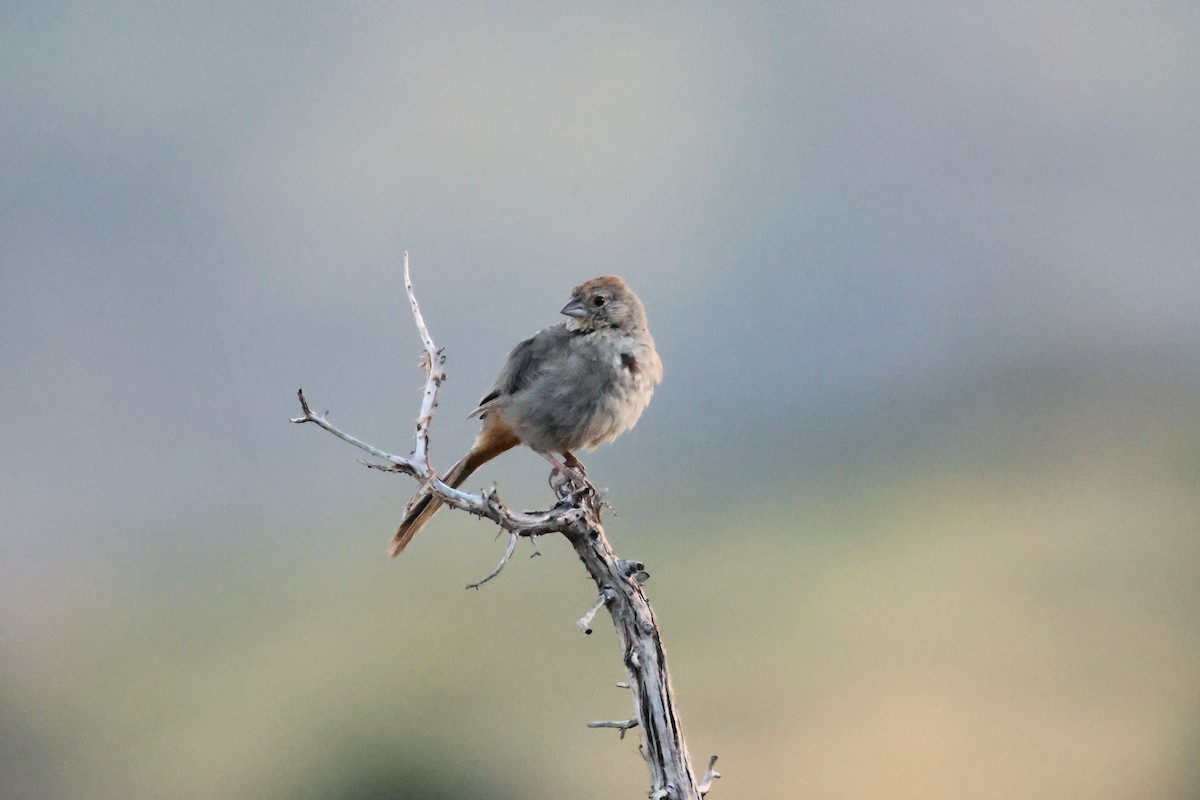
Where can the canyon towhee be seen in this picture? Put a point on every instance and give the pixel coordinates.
(574, 385)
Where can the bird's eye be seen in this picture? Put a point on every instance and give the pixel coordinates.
(598, 301)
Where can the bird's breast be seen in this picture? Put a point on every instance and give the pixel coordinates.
(596, 392)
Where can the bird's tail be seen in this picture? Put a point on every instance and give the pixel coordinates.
(492, 441)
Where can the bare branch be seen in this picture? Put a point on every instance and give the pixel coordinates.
(585, 622)
(426, 339)
(403, 464)
(382, 467)
(621, 725)
(432, 360)
(576, 515)
(709, 776)
(508, 551)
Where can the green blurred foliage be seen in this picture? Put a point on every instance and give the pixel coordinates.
(987, 623)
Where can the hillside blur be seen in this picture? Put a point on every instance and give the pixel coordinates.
(920, 494)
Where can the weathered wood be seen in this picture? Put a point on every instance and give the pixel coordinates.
(618, 581)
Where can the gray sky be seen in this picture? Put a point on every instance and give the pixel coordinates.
(819, 203)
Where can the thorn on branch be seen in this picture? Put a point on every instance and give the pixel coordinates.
(709, 776)
(605, 502)
(621, 725)
(493, 502)
(403, 468)
(585, 622)
(308, 415)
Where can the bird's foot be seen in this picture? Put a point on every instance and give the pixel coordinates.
(569, 477)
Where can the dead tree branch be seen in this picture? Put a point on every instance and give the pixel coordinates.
(575, 515)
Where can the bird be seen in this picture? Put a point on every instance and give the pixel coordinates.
(571, 386)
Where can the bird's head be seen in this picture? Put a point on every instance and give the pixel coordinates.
(604, 302)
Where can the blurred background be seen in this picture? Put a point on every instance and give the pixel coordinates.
(920, 494)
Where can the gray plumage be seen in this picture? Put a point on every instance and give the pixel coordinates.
(564, 389)
(571, 386)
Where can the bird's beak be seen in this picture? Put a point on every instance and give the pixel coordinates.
(575, 308)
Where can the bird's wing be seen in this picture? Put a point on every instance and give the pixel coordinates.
(523, 364)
